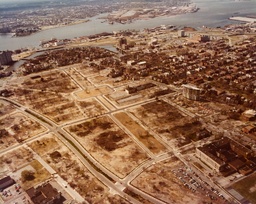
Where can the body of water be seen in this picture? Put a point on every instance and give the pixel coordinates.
(212, 13)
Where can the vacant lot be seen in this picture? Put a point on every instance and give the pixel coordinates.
(168, 122)
(52, 81)
(160, 182)
(81, 79)
(140, 133)
(5, 108)
(92, 92)
(14, 160)
(69, 167)
(40, 174)
(108, 144)
(58, 107)
(17, 127)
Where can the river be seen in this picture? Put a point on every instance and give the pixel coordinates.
(212, 13)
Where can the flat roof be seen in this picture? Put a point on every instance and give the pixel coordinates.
(190, 86)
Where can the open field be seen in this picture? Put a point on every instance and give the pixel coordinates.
(17, 127)
(109, 145)
(169, 181)
(69, 167)
(113, 82)
(247, 187)
(160, 182)
(57, 107)
(15, 160)
(168, 122)
(140, 133)
(50, 81)
(6, 108)
(90, 107)
(39, 172)
(92, 92)
(77, 76)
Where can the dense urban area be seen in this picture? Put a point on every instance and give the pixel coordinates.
(22, 19)
(161, 115)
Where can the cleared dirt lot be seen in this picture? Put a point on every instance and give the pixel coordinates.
(69, 167)
(49, 94)
(15, 160)
(160, 182)
(168, 122)
(92, 92)
(140, 133)
(56, 106)
(17, 127)
(108, 144)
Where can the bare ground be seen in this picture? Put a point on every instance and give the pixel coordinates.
(108, 144)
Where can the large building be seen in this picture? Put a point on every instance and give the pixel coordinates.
(44, 194)
(5, 57)
(6, 182)
(227, 156)
(191, 92)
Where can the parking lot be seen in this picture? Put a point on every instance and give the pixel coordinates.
(14, 195)
(193, 182)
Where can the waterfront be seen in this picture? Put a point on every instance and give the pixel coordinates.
(212, 13)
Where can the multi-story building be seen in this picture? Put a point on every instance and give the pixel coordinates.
(5, 57)
(191, 92)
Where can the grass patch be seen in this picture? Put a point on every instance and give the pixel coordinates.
(41, 174)
(247, 187)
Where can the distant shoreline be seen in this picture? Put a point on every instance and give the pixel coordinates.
(14, 35)
(58, 26)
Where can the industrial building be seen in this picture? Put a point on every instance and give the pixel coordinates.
(6, 182)
(44, 194)
(227, 156)
(191, 92)
(5, 57)
(181, 33)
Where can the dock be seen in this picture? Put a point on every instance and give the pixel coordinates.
(243, 19)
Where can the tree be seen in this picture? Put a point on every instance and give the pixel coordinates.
(27, 175)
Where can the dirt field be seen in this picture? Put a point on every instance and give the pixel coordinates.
(14, 160)
(69, 167)
(82, 80)
(160, 182)
(90, 108)
(52, 81)
(5, 108)
(49, 96)
(140, 133)
(108, 144)
(113, 82)
(92, 92)
(115, 199)
(168, 122)
(16, 128)
(57, 107)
